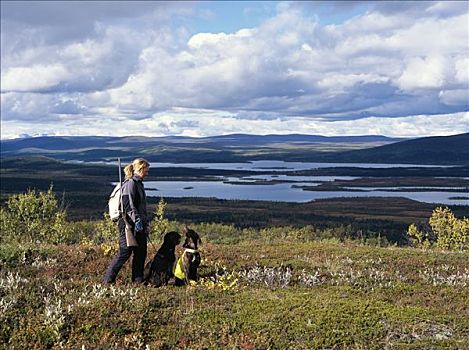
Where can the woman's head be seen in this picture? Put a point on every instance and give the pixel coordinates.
(139, 167)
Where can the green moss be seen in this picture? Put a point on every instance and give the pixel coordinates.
(57, 297)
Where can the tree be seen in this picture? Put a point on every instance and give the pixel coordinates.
(452, 233)
(446, 231)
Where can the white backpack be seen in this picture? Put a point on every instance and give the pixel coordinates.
(114, 203)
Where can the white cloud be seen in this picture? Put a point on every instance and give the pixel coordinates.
(459, 97)
(411, 126)
(35, 78)
(38, 23)
(340, 82)
(428, 72)
(380, 23)
(462, 70)
(210, 123)
(133, 66)
(93, 64)
(447, 8)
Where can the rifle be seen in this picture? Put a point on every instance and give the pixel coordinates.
(129, 235)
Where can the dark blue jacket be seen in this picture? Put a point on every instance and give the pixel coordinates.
(135, 200)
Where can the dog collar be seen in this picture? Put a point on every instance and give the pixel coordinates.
(188, 250)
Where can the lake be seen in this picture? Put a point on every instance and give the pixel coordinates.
(276, 165)
(242, 188)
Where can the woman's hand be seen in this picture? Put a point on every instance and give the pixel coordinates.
(138, 225)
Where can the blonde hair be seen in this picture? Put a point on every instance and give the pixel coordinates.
(137, 166)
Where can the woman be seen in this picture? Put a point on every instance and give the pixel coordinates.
(135, 209)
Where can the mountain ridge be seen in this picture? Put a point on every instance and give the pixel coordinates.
(238, 136)
(452, 149)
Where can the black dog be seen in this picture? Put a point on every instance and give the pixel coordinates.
(159, 271)
(188, 263)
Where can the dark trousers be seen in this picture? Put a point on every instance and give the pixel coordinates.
(124, 253)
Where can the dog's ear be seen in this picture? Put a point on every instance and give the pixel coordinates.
(173, 237)
(200, 241)
(186, 242)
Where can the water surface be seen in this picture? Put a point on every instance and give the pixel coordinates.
(283, 192)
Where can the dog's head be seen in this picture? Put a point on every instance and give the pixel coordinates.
(192, 238)
(172, 238)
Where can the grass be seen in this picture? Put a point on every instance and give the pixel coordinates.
(253, 295)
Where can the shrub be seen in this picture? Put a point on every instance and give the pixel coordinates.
(453, 233)
(106, 230)
(159, 225)
(420, 236)
(414, 233)
(446, 231)
(34, 216)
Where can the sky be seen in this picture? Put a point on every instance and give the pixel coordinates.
(204, 68)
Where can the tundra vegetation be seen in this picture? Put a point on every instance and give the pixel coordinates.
(260, 288)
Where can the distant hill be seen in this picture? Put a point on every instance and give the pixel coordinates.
(76, 142)
(225, 148)
(266, 139)
(242, 147)
(427, 150)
